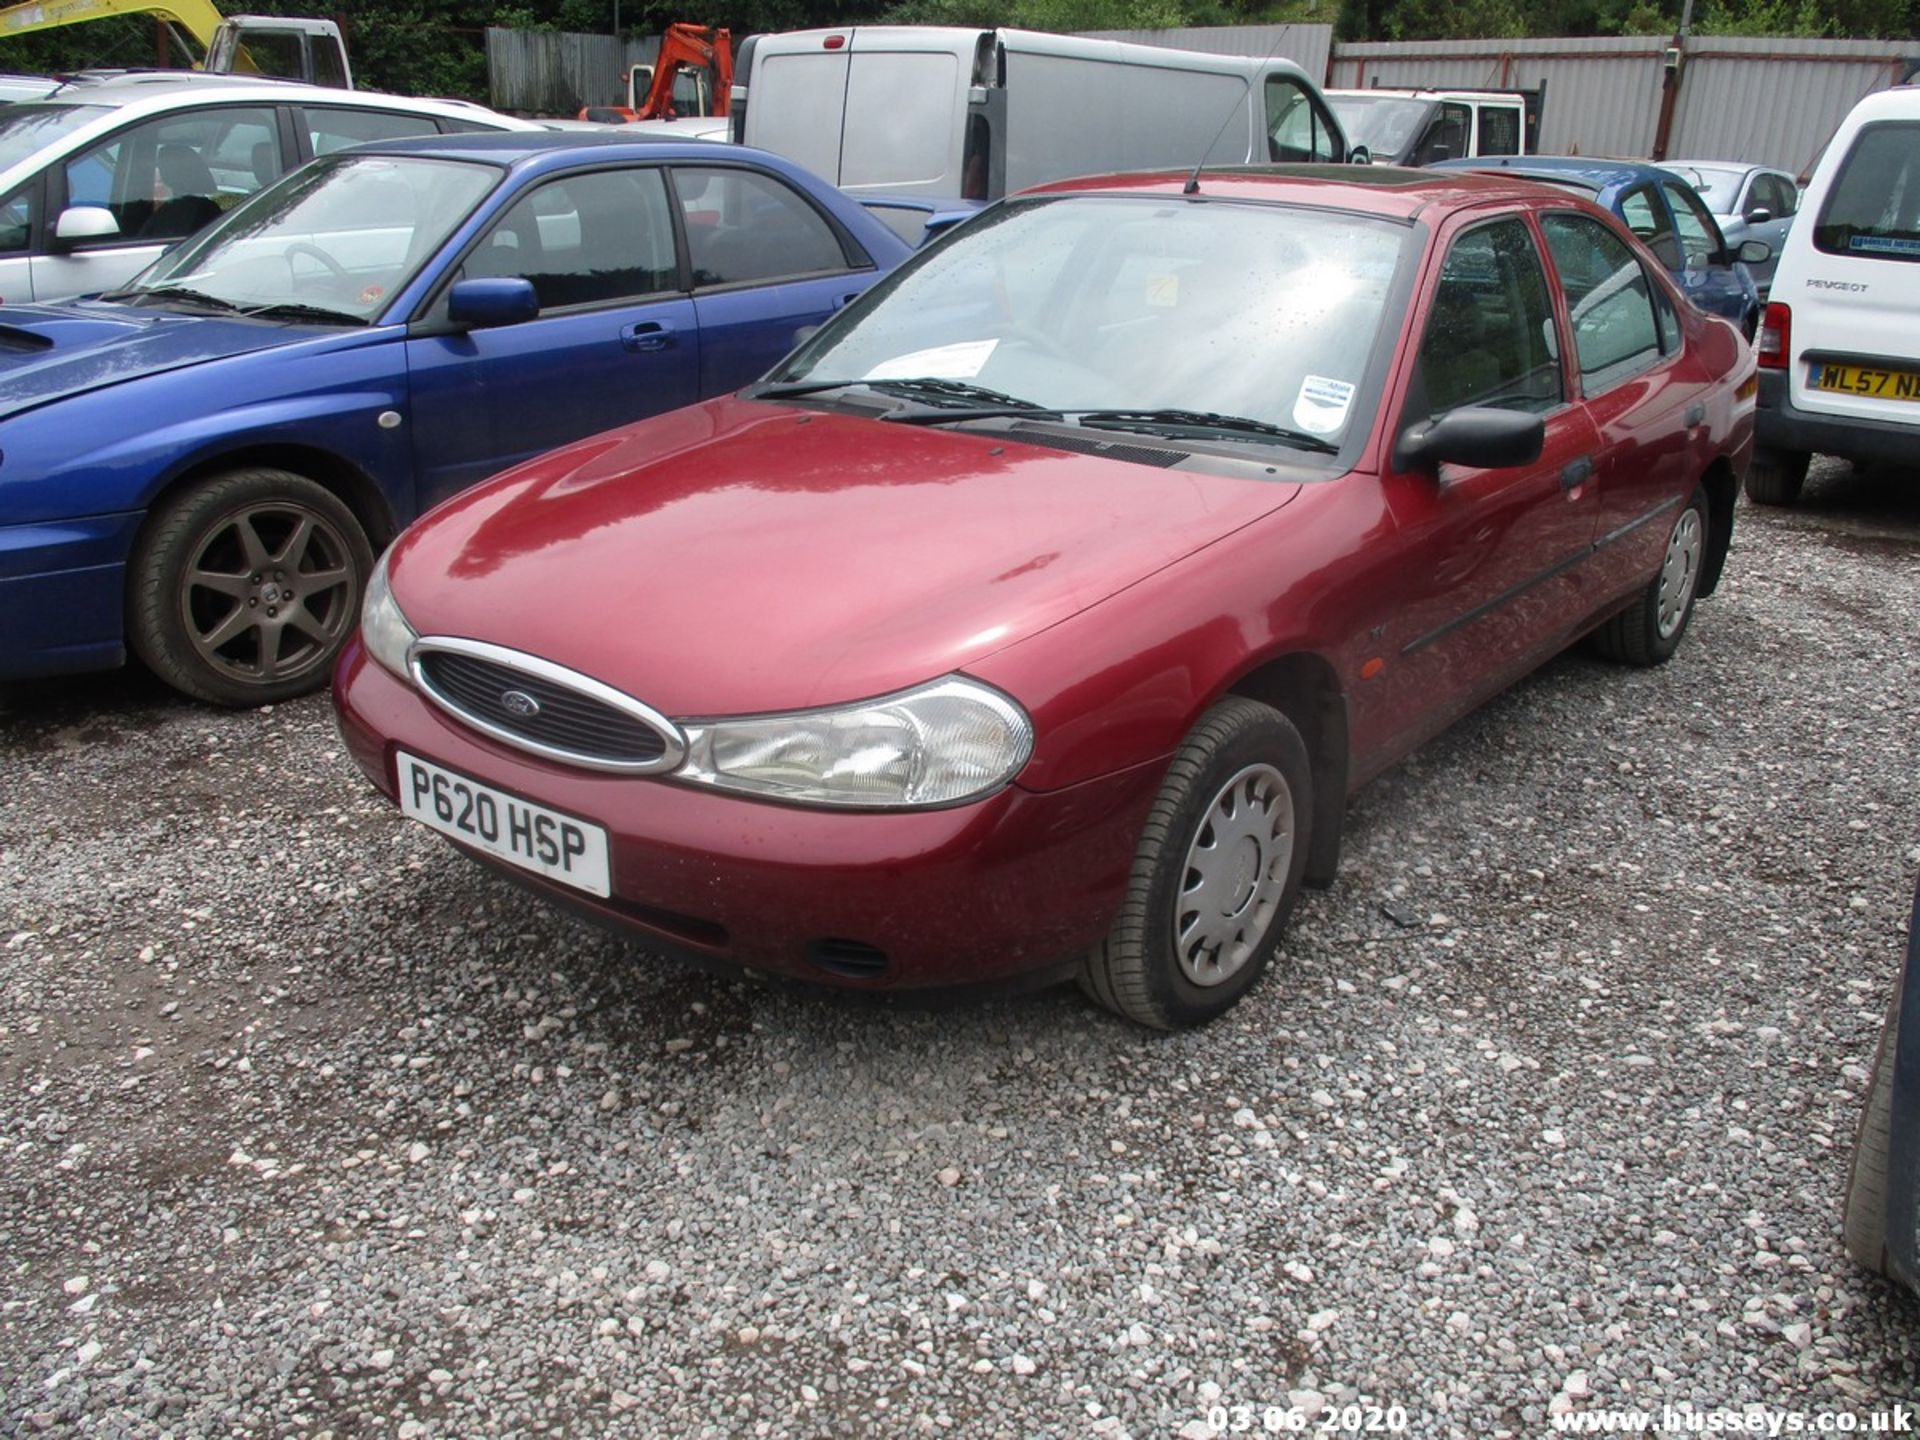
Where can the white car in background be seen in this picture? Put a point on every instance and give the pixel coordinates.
(1839, 346)
(101, 176)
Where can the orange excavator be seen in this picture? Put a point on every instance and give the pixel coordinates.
(693, 74)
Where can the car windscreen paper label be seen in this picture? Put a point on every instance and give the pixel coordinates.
(944, 362)
(1322, 406)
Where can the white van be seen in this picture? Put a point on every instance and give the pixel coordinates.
(1839, 347)
(973, 114)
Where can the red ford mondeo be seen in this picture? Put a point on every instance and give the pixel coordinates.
(1039, 614)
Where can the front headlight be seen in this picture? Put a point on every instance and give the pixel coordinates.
(945, 742)
(382, 627)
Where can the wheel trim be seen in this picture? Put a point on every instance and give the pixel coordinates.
(267, 594)
(1679, 573)
(1235, 875)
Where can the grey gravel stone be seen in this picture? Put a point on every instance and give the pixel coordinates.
(345, 1136)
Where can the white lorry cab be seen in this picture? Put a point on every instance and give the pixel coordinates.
(1418, 127)
(973, 114)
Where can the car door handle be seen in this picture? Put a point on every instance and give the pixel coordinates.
(647, 335)
(1576, 473)
(1696, 415)
(847, 299)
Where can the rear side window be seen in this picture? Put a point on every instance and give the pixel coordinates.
(1873, 207)
(330, 129)
(1615, 332)
(744, 227)
(1499, 130)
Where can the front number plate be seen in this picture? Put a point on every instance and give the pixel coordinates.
(561, 847)
(1865, 380)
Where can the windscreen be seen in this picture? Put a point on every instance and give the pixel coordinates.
(1265, 312)
(31, 126)
(1718, 185)
(338, 238)
(1872, 210)
(1385, 124)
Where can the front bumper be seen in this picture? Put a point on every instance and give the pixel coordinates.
(1779, 424)
(976, 894)
(62, 591)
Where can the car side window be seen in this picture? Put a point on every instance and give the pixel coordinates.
(1777, 194)
(1615, 331)
(168, 177)
(333, 127)
(587, 239)
(1499, 130)
(1446, 137)
(16, 223)
(1647, 218)
(1295, 131)
(744, 228)
(1490, 337)
(1699, 236)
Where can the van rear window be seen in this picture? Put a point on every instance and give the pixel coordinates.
(1873, 210)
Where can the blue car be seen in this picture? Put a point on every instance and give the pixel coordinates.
(200, 467)
(1883, 1187)
(1670, 219)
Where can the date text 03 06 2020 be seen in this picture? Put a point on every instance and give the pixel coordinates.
(1291, 1420)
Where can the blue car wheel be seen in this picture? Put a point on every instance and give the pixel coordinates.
(245, 586)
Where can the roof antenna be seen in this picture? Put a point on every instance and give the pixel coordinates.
(1254, 95)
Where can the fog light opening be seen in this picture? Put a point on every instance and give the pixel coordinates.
(850, 959)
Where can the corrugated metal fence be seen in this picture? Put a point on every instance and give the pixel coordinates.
(552, 72)
(1767, 101)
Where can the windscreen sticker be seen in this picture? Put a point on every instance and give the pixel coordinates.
(962, 361)
(1163, 291)
(1322, 406)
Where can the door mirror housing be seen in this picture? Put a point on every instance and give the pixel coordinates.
(1759, 215)
(80, 223)
(1359, 155)
(1476, 435)
(1754, 252)
(485, 304)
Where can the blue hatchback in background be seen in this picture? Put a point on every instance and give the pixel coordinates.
(201, 467)
(1664, 212)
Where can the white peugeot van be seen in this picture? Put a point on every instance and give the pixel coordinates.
(1839, 348)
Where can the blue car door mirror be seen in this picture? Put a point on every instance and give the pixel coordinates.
(502, 300)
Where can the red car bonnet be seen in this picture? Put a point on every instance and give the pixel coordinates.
(738, 557)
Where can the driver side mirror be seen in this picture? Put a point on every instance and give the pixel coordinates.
(1753, 252)
(1476, 435)
(80, 223)
(484, 304)
(1359, 155)
(1759, 215)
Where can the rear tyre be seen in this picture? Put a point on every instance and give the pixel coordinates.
(243, 588)
(1776, 476)
(1648, 631)
(1216, 875)
(1866, 1222)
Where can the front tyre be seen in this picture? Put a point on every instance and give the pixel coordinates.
(245, 586)
(1648, 631)
(1216, 874)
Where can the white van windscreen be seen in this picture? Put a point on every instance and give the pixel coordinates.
(1873, 207)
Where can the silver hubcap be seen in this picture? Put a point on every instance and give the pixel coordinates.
(1681, 570)
(1235, 874)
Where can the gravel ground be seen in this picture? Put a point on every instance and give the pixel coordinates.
(308, 1125)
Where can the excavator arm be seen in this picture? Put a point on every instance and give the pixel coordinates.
(689, 47)
(197, 17)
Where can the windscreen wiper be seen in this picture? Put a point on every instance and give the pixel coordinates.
(295, 310)
(948, 401)
(179, 292)
(1190, 422)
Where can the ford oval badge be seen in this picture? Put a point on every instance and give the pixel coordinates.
(518, 702)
